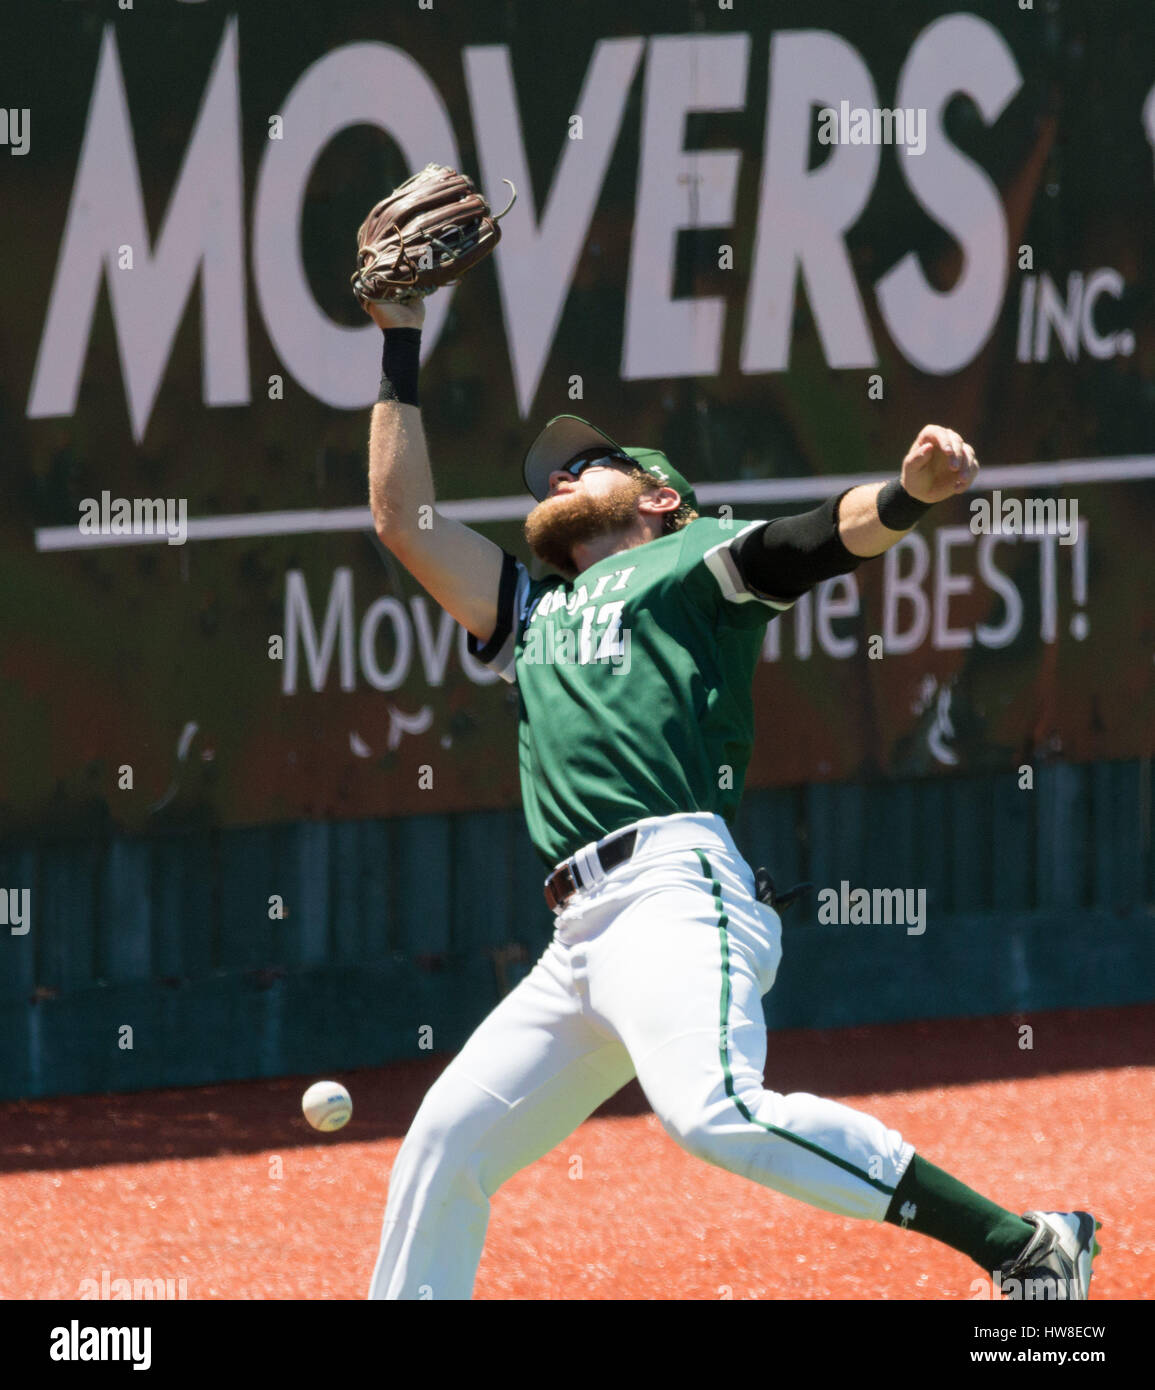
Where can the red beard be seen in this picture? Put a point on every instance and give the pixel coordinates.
(559, 523)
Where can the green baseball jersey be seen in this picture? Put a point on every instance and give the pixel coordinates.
(634, 684)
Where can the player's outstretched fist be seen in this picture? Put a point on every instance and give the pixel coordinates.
(392, 315)
(940, 464)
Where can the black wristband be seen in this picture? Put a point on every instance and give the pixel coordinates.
(400, 360)
(897, 509)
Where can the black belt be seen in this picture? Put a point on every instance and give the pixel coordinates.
(567, 878)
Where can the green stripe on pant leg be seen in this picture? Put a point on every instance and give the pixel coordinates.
(724, 1047)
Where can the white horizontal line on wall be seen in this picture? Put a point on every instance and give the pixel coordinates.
(313, 521)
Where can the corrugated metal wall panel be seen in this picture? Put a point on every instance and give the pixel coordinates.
(1012, 846)
(1035, 899)
(971, 889)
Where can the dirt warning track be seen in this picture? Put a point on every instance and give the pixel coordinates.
(224, 1191)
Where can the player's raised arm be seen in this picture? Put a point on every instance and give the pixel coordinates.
(427, 233)
(783, 559)
(459, 568)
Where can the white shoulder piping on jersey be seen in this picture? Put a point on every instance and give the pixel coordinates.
(522, 607)
(721, 565)
(503, 662)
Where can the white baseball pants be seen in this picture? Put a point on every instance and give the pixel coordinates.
(657, 971)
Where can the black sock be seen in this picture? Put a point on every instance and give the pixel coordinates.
(933, 1203)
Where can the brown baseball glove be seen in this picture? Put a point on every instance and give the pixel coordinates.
(427, 233)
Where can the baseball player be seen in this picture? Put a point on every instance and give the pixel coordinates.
(633, 665)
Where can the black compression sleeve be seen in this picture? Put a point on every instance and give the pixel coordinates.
(785, 558)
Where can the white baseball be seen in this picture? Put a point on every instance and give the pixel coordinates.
(327, 1105)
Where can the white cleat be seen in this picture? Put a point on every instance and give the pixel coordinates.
(1056, 1261)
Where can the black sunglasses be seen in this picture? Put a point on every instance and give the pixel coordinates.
(597, 458)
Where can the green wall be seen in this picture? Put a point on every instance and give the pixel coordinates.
(1035, 899)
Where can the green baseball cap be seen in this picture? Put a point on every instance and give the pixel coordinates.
(566, 436)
